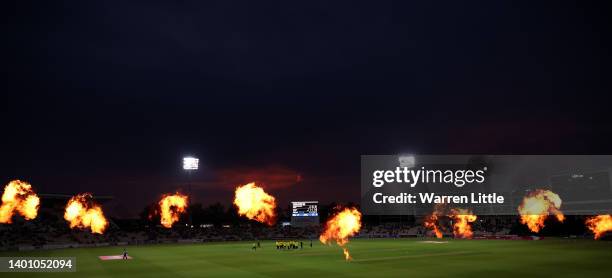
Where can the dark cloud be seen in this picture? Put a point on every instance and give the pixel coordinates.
(269, 177)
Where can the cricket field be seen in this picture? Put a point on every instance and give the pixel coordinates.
(371, 258)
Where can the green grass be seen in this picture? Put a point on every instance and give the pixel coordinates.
(372, 258)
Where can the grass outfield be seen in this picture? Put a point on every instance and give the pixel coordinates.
(372, 258)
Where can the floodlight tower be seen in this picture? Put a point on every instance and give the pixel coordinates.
(190, 164)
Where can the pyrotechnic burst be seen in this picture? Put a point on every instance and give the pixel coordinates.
(536, 207)
(18, 197)
(461, 222)
(82, 212)
(254, 203)
(171, 207)
(340, 227)
(599, 224)
(431, 221)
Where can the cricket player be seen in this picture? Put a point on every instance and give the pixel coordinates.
(125, 254)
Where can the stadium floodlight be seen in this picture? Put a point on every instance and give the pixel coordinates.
(190, 163)
(407, 161)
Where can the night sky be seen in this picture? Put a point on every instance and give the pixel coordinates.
(107, 97)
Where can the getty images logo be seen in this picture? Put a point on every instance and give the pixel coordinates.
(405, 173)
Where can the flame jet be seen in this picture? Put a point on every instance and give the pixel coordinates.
(599, 224)
(254, 203)
(431, 221)
(462, 219)
(536, 207)
(340, 227)
(82, 212)
(171, 206)
(18, 197)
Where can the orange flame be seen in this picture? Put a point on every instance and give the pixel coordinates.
(462, 219)
(431, 221)
(340, 227)
(254, 203)
(536, 207)
(171, 207)
(599, 224)
(18, 196)
(82, 212)
(347, 255)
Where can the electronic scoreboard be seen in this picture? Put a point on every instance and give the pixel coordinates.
(305, 209)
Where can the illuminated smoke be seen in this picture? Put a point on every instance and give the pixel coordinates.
(254, 203)
(599, 224)
(461, 222)
(83, 213)
(18, 197)
(340, 227)
(536, 207)
(431, 221)
(171, 207)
